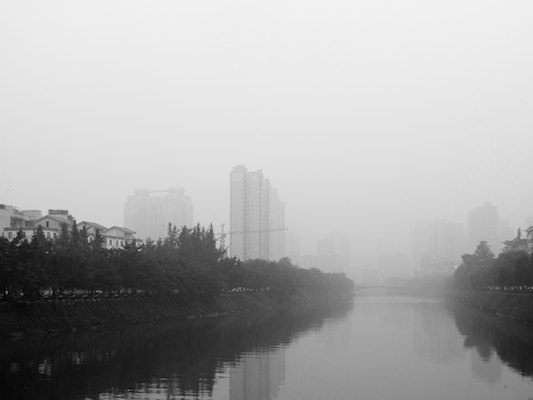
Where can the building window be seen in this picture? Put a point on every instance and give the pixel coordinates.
(55, 235)
(48, 235)
(10, 235)
(48, 224)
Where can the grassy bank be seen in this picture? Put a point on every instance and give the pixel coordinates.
(513, 306)
(19, 319)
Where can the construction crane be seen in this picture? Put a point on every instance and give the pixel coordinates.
(223, 234)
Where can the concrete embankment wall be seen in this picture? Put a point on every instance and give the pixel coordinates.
(18, 319)
(514, 306)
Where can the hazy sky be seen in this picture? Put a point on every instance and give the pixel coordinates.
(366, 115)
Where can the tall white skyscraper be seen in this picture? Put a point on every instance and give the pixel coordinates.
(148, 212)
(257, 217)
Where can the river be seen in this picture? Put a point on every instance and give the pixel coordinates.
(379, 347)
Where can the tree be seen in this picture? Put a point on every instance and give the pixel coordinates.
(474, 266)
(39, 267)
(84, 236)
(98, 241)
(6, 261)
(513, 269)
(64, 235)
(187, 265)
(75, 234)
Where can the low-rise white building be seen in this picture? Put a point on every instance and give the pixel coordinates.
(15, 221)
(51, 225)
(117, 237)
(91, 228)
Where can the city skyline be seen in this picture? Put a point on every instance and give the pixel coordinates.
(359, 135)
(353, 176)
(438, 242)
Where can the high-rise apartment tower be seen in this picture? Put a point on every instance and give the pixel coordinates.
(257, 217)
(483, 225)
(148, 213)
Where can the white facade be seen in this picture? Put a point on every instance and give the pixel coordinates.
(91, 228)
(148, 213)
(257, 217)
(114, 238)
(51, 225)
(117, 237)
(13, 220)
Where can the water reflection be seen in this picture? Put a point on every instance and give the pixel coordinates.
(494, 340)
(434, 334)
(169, 361)
(385, 347)
(258, 376)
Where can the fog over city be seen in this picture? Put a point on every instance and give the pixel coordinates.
(347, 184)
(368, 117)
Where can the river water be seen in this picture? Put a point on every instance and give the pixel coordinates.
(380, 347)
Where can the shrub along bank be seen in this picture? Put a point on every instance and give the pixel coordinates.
(23, 318)
(509, 305)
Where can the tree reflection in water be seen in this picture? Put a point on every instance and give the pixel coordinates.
(491, 336)
(176, 359)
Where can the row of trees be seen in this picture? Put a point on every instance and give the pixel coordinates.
(187, 263)
(482, 270)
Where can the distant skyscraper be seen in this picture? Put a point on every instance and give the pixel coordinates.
(257, 217)
(437, 246)
(334, 253)
(395, 265)
(483, 225)
(292, 246)
(148, 213)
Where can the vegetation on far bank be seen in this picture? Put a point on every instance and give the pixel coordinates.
(187, 264)
(510, 271)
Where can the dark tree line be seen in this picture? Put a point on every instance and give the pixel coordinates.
(509, 271)
(187, 264)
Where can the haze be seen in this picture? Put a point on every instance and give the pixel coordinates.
(367, 116)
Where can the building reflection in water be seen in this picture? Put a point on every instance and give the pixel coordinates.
(434, 334)
(487, 369)
(258, 375)
(238, 355)
(487, 341)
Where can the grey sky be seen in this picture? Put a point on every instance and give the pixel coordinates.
(367, 116)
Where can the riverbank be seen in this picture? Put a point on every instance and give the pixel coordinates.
(513, 306)
(33, 318)
(517, 307)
